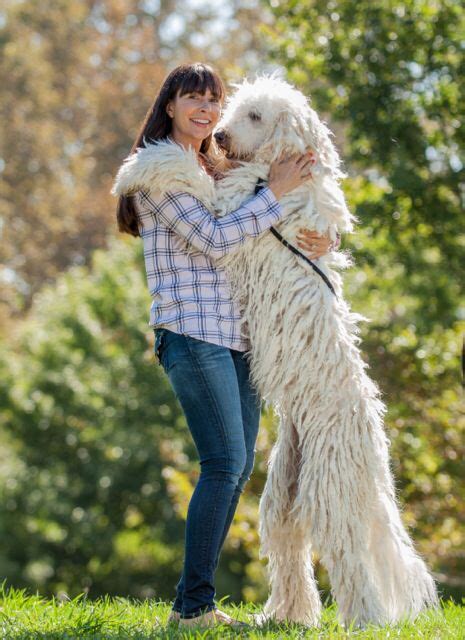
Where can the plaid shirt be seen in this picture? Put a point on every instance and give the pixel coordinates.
(182, 241)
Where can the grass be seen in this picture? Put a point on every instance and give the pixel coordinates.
(32, 617)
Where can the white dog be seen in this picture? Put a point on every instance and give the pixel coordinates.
(329, 486)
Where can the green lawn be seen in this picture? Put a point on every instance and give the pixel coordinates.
(31, 616)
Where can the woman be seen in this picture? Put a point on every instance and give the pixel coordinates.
(196, 322)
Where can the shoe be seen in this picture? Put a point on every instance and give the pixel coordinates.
(211, 619)
(174, 616)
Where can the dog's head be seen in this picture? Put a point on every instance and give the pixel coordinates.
(267, 117)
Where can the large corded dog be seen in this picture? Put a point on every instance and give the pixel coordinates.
(329, 487)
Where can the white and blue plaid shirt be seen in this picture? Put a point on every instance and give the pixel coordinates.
(182, 241)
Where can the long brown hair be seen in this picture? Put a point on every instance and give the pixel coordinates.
(157, 125)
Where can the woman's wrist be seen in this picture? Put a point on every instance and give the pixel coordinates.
(275, 189)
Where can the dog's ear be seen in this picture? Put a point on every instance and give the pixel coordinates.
(288, 133)
(318, 136)
(329, 198)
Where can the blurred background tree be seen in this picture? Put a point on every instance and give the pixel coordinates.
(97, 465)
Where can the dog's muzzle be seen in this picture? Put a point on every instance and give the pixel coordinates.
(222, 138)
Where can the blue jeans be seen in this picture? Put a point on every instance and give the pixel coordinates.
(222, 409)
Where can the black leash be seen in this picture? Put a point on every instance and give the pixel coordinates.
(277, 235)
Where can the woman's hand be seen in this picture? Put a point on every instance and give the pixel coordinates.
(289, 172)
(314, 244)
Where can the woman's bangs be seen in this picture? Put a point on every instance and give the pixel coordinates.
(200, 81)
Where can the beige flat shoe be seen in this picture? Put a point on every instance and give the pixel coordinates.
(174, 616)
(213, 618)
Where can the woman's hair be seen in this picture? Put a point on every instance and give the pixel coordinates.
(157, 125)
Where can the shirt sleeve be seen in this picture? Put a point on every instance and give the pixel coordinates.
(187, 216)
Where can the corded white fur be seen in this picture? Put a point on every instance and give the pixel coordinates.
(152, 167)
(329, 487)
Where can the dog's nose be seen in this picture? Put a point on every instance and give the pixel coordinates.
(222, 139)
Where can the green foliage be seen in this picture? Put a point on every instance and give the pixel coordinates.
(388, 77)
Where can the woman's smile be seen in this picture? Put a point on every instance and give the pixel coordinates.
(204, 124)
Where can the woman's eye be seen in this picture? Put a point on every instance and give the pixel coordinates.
(196, 96)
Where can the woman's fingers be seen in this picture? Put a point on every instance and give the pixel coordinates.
(305, 158)
(308, 156)
(313, 254)
(314, 243)
(311, 235)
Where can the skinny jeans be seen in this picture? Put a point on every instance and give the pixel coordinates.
(222, 409)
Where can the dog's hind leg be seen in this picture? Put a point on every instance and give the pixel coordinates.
(406, 585)
(347, 498)
(405, 582)
(334, 506)
(294, 595)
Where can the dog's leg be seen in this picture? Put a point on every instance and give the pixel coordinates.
(405, 583)
(347, 499)
(294, 595)
(333, 506)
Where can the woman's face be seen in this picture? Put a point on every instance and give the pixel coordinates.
(194, 115)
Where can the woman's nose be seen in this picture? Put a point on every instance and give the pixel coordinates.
(204, 104)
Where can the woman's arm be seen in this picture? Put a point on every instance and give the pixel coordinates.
(187, 216)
